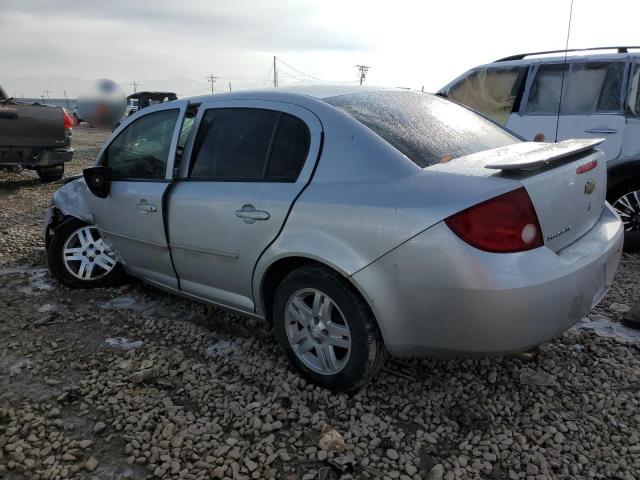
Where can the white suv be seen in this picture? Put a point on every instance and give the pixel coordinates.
(600, 100)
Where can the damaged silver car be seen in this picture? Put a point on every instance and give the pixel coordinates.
(358, 221)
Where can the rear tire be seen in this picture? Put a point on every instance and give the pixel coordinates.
(626, 201)
(79, 258)
(337, 344)
(50, 174)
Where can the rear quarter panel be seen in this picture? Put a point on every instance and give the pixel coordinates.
(366, 198)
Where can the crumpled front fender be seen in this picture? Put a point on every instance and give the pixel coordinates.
(71, 200)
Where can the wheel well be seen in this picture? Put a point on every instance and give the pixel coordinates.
(620, 176)
(280, 269)
(57, 219)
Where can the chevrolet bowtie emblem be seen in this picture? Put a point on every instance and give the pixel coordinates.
(589, 187)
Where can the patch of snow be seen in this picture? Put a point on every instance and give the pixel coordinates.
(620, 307)
(129, 303)
(123, 343)
(47, 307)
(17, 367)
(604, 327)
(221, 348)
(37, 279)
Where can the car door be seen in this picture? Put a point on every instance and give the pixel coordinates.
(248, 162)
(592, 104)
(538, 113)
(631, 138)
(139, 159)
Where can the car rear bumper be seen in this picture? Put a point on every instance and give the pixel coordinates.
(29, 157)
(436, 295)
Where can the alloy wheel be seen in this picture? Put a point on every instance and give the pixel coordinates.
(317, 331)
(86, 256)
(628, 207)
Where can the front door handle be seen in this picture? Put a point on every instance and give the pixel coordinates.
(145, 206)
(606, 131)
(249, 214)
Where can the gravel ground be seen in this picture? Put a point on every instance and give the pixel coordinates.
(133, 383)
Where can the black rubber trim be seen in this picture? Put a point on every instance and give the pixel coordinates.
(165, 224)
(284, 222)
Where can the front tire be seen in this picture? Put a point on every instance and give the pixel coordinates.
(79, 258)
(626, 201)
(326, 330)
(50, 174)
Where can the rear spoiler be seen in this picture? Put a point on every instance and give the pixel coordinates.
(536, 155)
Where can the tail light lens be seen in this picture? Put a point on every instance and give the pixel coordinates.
(67, 120)
(507, 223)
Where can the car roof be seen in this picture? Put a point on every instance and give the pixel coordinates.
(319, 92)
(613, 53)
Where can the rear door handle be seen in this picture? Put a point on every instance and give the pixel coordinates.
(606, 131)
(249, 214)
(145, 206)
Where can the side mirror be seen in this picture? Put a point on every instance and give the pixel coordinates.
(96, 180)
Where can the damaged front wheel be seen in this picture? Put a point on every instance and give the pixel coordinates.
(79, 257)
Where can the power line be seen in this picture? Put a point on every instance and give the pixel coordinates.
(311, 76)
(212, 80)
(362, 72)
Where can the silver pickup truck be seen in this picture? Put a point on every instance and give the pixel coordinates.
(35, 136)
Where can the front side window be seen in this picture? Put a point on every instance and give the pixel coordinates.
(491, 91)
(633, 98)
(588, 87)
(141, 151)
(249, 144)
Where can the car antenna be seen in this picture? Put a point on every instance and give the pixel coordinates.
(564, 69)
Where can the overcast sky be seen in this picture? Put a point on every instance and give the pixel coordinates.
(175, 45)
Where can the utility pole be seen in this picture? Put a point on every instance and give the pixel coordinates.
(229, 86)
(46, 93)
(212, 80)
(362, 72)
(135, 86)
(275, 73)
(66, 98)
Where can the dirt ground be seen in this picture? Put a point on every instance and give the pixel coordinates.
(134, 383)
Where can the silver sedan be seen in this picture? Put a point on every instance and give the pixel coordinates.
(358, 221)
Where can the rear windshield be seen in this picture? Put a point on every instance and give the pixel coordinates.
(426, 128)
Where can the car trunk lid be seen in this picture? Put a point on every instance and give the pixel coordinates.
(565, 181)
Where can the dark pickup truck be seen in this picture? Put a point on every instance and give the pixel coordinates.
(35, 136)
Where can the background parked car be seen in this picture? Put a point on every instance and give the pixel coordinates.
(138, 101)
(601, 99)
(34, 136)
(357, 220)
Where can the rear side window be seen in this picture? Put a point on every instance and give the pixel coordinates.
(248, 144)
(494, 92)
(290, 148)
(141, 150)
(589, 87)
(425, 128)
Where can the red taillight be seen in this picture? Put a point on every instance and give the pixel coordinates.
(67, 120)
(587, 167)
(507, 223)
